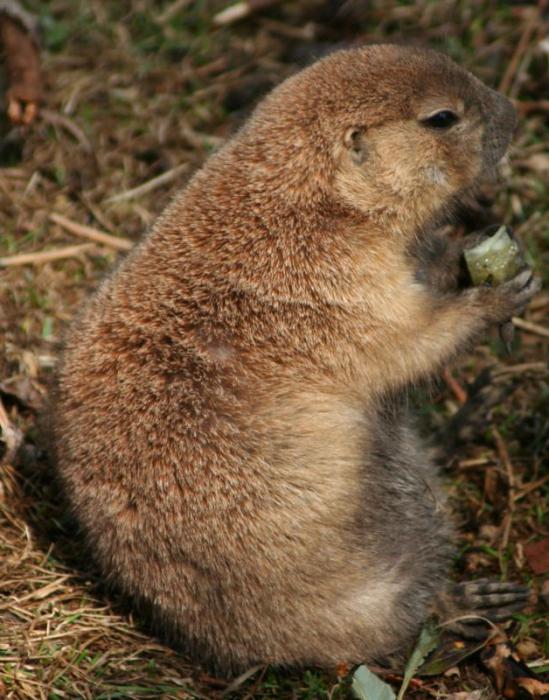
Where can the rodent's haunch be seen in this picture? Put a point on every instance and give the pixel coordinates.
(230, 425)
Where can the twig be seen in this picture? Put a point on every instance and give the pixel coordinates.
(474, 462)
(46, 256)
(528, 106)
(522, 45)
(198, 140)
(530, 487)
(305, 33)
(530, 327)
(503, 454)
(455, 387)
(251, 693)
(539, 302)
(217, 66)
(15, 173)
(150, 185)
(240, 10)
(69, 125)
(91, 233)
(522, 368)
(172, 10)
(239, 680)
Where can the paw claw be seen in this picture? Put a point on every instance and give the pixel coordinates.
(494, 600)
(503, 613)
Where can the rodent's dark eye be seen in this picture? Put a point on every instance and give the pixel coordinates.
(441, 120)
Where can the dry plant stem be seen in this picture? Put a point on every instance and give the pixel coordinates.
(98, 215)
(540, 302)
(522, 368)
(251, 694)
(242, 678)
(474, 463)
(172, 10)
(525, 107)
(46, 256)
(150, 185)
(530, 487)
(305, 33)
(68, 124)
(531, 327)
(91, 233)
(503, 455)
(15, 173)
(455, 387)
(240, 10)
(522, 46)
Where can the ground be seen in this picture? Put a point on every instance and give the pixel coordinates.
(135, 89)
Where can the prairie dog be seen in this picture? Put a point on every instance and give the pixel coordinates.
(230, 425)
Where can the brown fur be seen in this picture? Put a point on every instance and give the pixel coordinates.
(229, 429)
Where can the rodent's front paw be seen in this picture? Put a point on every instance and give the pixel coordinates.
(509, 299)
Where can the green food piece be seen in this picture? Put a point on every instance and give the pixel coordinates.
(494, 260)
(367, 686)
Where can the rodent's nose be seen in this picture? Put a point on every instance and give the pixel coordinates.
(501, 122)
(501, 112)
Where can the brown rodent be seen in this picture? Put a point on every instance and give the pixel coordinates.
(231, 429)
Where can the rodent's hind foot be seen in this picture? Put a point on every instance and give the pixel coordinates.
(473, 605)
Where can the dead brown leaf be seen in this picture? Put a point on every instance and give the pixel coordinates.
(537, 555)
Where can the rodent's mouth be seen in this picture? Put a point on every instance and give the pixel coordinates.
(495, 151)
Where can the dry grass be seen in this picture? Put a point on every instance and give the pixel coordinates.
(132, 95)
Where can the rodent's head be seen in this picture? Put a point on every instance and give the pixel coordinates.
(396, 132)
(436, 131)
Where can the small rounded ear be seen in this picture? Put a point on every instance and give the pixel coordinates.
(354, 142)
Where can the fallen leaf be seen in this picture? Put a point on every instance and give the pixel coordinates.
(537, 555)
(511, 674)
(535, 686)
(26, 390)
(528, 649)
(450, 652)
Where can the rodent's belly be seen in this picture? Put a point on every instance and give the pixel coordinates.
(400, 486)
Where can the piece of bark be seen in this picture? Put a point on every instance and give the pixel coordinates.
(511, 675)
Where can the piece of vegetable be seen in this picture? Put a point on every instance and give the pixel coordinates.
(494, 260)
(367, 686)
